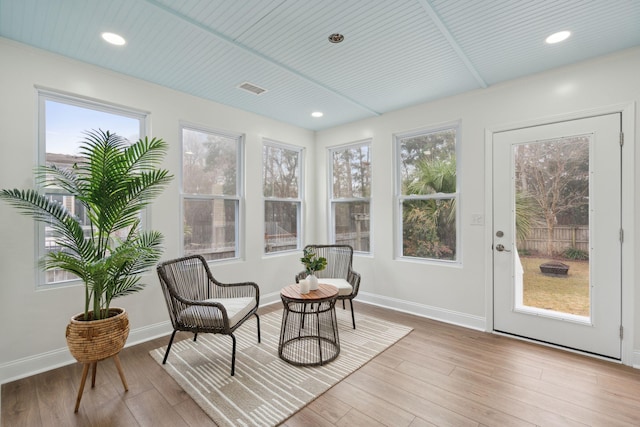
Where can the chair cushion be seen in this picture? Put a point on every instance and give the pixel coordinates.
(344, 288)
(237, 309)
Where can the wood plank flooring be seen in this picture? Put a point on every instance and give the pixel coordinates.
(438, 375)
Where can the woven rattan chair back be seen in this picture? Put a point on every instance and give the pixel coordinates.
(196, 300)
(339, 266)
(339, 259)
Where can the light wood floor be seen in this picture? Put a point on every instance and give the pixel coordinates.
(437, 375)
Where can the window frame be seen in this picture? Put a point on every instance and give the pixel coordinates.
(400, 198)
(43, 96)
(333, 201)
(238, 197)
(298, 200)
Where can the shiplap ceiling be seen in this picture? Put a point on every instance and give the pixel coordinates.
(396, 53)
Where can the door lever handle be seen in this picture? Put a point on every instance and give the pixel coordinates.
(500, 248)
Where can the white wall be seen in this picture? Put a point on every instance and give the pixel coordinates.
(463, 295)
(34, 321)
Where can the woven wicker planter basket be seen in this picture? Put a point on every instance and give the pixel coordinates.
(95, 340)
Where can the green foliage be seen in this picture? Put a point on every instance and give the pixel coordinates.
(429, 226)
(576, 254)
(425, 235)
(312, 262)
(527, 213)
(434, 176)
(114, 182)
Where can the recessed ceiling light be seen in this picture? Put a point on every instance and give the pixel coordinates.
(317, 114)
(113, 38)
(558, 37)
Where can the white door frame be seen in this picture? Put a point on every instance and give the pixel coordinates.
(628, 196)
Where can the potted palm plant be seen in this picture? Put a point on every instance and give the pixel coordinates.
(114, 181)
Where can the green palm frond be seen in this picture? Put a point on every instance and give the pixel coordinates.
(114, 181)
(68, 262)
(42, 209)
(126, 286)
(145, 153)
(527, 213)
(55, 176)
(434, 176)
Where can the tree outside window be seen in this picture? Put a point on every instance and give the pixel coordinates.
(428, 194)
(210, 193)
(552, 188)
(282, 196)
(350, 195)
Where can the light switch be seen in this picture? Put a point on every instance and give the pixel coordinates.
(477, 219)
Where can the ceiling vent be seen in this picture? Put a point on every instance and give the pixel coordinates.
(250, 87)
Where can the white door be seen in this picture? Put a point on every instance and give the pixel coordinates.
(557, 233)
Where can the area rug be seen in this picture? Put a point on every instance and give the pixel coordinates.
(266, 390)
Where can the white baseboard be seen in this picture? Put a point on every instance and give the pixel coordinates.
(422, 310)
(635, 362)
(32, 365)
(269, 299)
(38, 363)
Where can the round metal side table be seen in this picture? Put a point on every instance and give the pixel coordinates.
(309, 330)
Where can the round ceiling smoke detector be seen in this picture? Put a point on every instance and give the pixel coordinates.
(336, 38)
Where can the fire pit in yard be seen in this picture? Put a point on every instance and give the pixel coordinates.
(554, 268)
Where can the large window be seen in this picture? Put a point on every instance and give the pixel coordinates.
(282, 190)
(211, 193)
(350, 195)
(427, 194)
(63, 121)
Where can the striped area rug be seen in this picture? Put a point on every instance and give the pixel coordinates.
(266, 390)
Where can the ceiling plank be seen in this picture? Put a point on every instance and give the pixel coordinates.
(452, 41)
(261, 56)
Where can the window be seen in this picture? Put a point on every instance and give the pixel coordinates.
(282, 190)
(427, 194)
(350, 195)
(211, 193)
(63, 121)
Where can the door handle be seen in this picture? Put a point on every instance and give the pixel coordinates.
(500, 248)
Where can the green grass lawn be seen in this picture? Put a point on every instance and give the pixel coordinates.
(568, 294)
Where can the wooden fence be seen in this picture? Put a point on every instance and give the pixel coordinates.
(564, 236)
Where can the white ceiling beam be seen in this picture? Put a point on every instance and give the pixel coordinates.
(452, 41)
